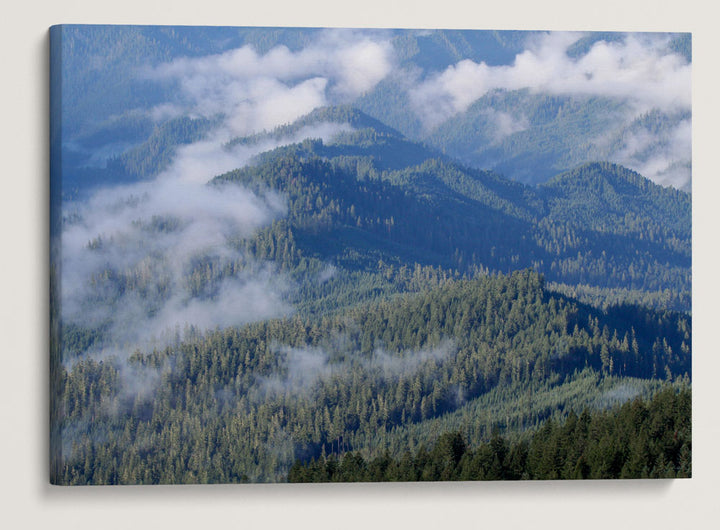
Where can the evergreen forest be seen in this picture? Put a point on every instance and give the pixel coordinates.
(353, 297)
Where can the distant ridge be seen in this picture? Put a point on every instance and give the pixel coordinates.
(343, 114)
(597, 192)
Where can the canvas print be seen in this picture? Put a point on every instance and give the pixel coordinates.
(340, 255)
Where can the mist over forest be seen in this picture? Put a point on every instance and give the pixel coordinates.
(275, 246)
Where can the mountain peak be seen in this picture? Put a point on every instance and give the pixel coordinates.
(338, 114)
(603, 176)
(603, 194)
(345, 114)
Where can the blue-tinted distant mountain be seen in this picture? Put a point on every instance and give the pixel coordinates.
(679, 43)
(102, 63)
(129, 161)
(104, 87)
(527, 136)
(435, 50)
(532, 134)
(423, 53)
(530, 137)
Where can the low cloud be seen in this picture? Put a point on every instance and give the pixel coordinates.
(260, 92)
(200, 161)
(131, 254)
(143, 258)
(327, 273)
(303, 368)
(145, 261)
(616, 396)
(638, 69)
(393, 365)
(504, 124)
(300, 370)
(662, 156)
(128, 251)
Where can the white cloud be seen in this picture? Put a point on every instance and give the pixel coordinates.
(638, 69)
(112, 231)
(302, 368)
(259, 92)
(203, 160)
(392, 365)
(204, 221)
(504, 124)
(664, 156)
(244, 298)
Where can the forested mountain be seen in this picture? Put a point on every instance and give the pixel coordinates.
(542, 134)
(632, 442)
(389, 285)
(599, 224)
(373, 193)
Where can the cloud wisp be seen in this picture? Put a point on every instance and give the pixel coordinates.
(200, 161)
(260, 92)
(637, 70)
(303, 368)
(663, 156)
(131, 254)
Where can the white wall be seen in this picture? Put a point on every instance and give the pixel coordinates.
(26, 499)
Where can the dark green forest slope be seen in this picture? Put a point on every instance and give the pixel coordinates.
(242, 404)
(638, 440)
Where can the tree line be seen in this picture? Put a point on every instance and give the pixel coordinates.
(640, 439)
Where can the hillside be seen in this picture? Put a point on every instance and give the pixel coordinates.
(529, 137)
(242, 404)
(591, 445)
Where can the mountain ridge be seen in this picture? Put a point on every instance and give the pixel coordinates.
(478, 217)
